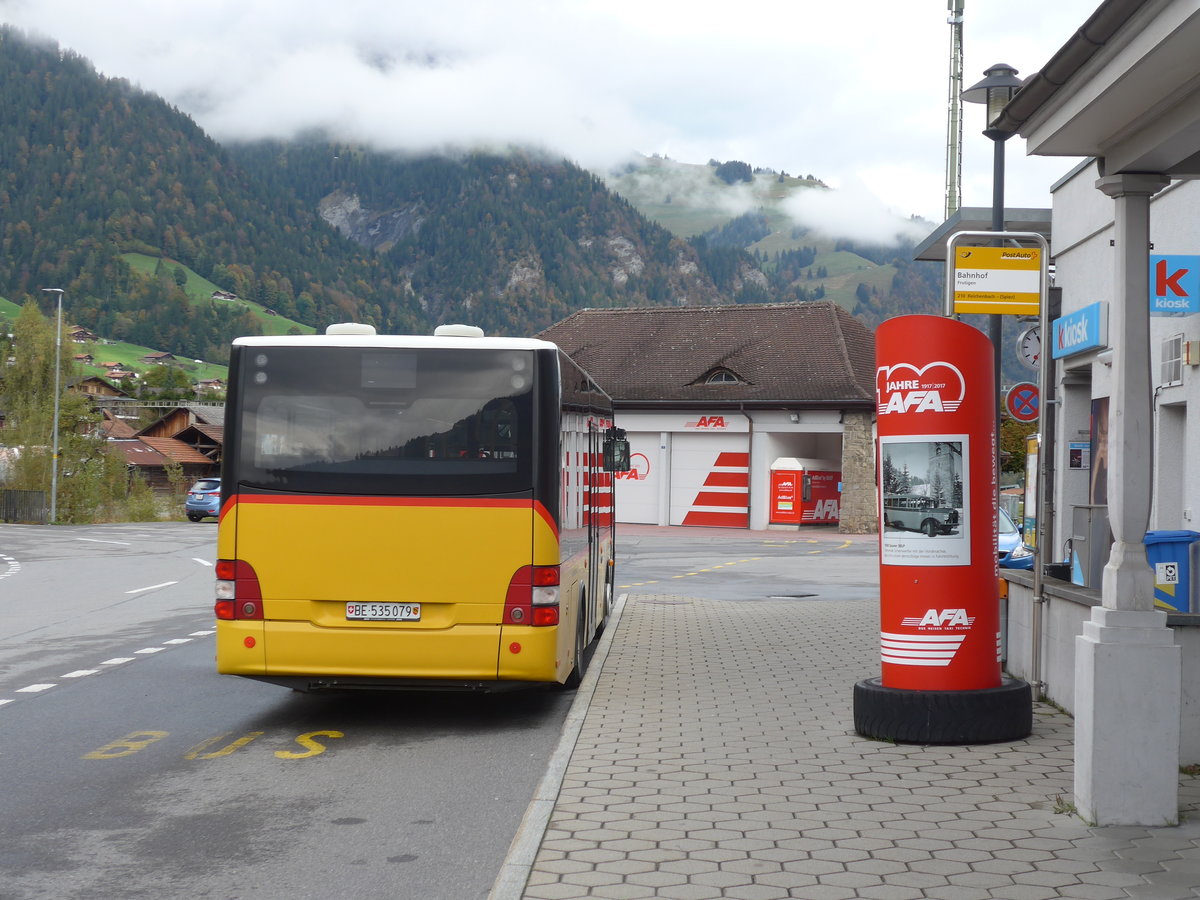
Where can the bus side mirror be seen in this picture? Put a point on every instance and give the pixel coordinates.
(616, 455)
(616, 450)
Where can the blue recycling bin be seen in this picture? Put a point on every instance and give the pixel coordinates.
(1170, 556)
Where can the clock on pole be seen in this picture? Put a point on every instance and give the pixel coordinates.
(1029, 346)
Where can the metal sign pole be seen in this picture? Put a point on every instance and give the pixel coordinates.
(1044, 374)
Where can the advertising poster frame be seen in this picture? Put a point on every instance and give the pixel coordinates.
(926, 524)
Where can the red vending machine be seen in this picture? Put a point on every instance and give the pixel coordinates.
(805, 492)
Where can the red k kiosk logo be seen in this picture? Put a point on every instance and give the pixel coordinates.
(903, 388)
(1174, 284)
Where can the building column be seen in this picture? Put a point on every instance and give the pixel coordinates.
(664, 478)
(859, 513)
(1127, 666)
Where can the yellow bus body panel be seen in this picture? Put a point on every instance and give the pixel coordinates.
(455, 558)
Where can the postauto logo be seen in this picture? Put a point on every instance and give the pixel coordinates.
(904, 388)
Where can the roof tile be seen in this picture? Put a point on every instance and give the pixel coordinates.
(784, 353)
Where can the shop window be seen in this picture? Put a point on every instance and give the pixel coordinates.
(1172, 360)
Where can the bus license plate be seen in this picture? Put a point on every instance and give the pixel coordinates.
(384, 612)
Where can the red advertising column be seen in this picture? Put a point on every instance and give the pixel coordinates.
(941, 680)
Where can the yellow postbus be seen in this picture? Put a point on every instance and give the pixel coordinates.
(427, 512)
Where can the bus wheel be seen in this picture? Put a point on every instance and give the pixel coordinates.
(608, 602)
(930, 527)
(576, 677)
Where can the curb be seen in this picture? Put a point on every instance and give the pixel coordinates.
(518, 863)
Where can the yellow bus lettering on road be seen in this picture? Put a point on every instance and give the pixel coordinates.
(313, 748)
(126, 746)
(197, 752)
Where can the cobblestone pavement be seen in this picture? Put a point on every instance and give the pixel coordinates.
(717, 759)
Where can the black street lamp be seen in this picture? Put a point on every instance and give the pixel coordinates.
(996, 89)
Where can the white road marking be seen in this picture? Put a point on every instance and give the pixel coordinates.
(114, 661)
(98, 541)
(152, 587)
(203, 562)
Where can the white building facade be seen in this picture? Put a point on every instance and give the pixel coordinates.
(1124, 93)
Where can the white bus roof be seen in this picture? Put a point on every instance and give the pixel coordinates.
(400, 341)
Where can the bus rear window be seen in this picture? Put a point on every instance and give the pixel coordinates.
(387, 421)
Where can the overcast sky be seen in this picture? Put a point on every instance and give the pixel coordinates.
(854, 93)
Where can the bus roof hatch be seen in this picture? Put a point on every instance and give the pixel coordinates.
(458, 331)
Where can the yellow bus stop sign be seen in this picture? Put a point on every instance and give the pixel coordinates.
(1003, 280)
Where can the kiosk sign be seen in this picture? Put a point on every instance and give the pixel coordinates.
(1174, 284)
(1003, 280)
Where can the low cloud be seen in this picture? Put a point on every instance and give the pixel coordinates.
(852, 211)
(801, 87)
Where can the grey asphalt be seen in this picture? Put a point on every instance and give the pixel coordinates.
(711, 753)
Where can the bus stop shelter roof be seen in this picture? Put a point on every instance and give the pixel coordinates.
(979, 218)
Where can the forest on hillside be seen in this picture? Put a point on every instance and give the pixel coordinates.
(96, 169)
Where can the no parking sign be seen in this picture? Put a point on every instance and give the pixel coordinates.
(1023, 402)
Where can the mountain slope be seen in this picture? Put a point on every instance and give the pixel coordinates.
(510, 243)
(95, 169)
(753, 210)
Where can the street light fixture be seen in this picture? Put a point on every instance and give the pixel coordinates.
(999, 85)
(57, 392)
(995, 90)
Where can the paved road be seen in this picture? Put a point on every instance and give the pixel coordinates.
(129, 768)
(735, 564)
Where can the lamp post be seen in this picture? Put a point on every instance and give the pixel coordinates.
(57, 392)
(999, 85)
(995, 90)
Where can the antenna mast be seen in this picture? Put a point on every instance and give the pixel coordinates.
(954, 114)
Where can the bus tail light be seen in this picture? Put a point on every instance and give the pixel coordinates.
(239, 595)
(532, 597)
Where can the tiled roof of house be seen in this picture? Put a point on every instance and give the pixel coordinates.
(208, 415)
(138, 453)
(177, 451)
(779, 353)
(212, 432)
(114, 427)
